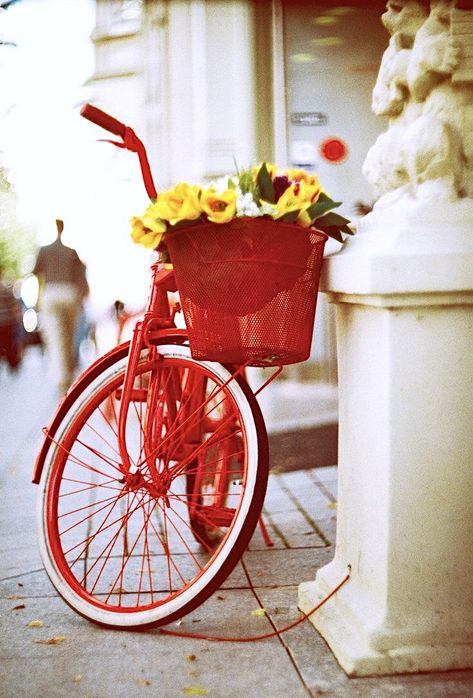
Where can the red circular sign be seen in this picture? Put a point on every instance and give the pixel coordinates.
(334, 150)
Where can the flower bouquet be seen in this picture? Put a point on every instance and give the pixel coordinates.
(247, 252)
(288, 196)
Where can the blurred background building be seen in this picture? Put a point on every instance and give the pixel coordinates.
(205, 84)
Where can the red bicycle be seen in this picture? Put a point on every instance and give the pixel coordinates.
(153, 470)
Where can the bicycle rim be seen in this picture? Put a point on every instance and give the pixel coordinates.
(127, 554)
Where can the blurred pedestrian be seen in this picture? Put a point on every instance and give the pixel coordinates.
(10, 325)
(64, 287)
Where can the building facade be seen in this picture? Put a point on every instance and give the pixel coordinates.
(208, 84)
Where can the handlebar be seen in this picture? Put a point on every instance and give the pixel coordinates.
(129, 137)
(107, 122)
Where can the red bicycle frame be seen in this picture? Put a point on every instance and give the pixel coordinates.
(157, 325)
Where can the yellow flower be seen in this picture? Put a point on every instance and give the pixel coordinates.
(179, 204)
(309, 193)
(287, 202)
(298, 197)
(302, 176)
(147, 230)
(220, 207)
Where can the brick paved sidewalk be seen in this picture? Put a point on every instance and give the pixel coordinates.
(92, 662)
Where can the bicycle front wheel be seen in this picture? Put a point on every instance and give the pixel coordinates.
(134, 552)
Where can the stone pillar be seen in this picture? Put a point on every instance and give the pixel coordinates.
(405, 505)
(403, 289)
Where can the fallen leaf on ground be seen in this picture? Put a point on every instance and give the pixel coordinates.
(77, 678)
(15, 597)
(144, 682)
(52, 640)
(195, 691)
(259, 612)
(17, 608)
(35, 624)
(191, 657)
(332, 505)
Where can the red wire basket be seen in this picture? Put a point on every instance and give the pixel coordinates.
(248, 289)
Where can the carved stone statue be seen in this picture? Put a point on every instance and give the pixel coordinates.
(425, 87)
(402, 20)
(434, 56)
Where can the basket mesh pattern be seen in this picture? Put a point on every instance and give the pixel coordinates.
(248, 289)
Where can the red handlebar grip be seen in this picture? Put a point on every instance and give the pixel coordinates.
(101, 118)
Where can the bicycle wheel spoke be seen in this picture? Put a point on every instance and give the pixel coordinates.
(92, 536)
(96, 432)
(104, 555)
(147, 545)
(126, 556)
(105, 502)
(89, 486)
(178, 432)
(145, 567)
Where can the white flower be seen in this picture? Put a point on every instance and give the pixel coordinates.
(246, 206)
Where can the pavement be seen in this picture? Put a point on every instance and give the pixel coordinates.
(48, 651)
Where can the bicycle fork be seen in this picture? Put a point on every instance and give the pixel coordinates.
(157, 313)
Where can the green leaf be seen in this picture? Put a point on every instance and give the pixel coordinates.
(235, 164)
(246, 182)
(319, 208)
(331, 219)
(333, 225)
(265, 184)
(332, 232)
(323, 197)
(290, 217)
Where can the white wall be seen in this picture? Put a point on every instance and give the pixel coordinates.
(205, 96)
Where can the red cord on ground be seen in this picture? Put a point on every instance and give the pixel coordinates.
(305, 616)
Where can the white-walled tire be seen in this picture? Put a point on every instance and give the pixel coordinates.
(125, 554)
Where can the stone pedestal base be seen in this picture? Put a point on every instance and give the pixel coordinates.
(353, 649)
(405, 507)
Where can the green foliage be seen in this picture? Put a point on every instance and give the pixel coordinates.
(265, 184)
(16, 241)
(333, 225)
(247, 184)
(323, 204)
(290, 217)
